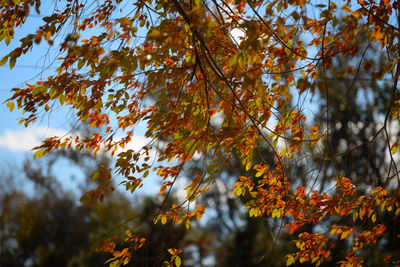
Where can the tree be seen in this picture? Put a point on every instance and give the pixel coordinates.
(47, 226)
(179, 65)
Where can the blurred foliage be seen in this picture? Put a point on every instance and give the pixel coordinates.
(48, 226)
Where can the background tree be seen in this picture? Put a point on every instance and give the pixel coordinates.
(48, 226)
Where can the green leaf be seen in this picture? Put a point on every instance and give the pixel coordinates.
(275, 142)
(80, 64)
(7, 40)
(52, 93)
(134, 63)
(95, 176)
(279, 7)
(3, 61)
(232, 61)
(61, 99)
(12, 62)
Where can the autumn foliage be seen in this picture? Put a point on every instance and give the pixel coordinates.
(177, 65)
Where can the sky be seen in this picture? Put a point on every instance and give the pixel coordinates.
(17, 141)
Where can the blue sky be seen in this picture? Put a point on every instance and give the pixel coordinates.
(16, 141)
(12, 140)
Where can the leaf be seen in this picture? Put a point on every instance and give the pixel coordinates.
(3, 60)
(7, 39)
(128, 233)
(276, 213)
(12, 62)
(109, 260)
(95, 176)
(61, 99)
(395, 148)
(232, 61)
(10, 106)
(38, 154)
(178, 261)
(248, 165)
(163, 189)
(355, 215)
(81, 63)
(290, 260)
(258, 174)
(275, 142)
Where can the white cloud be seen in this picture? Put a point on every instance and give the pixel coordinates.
(26, 139)
(136, 144)
(237, 35)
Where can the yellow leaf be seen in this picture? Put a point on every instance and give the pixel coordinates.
(276, 213)
(248, 166)
(346, 8)
(38, 154)
(344, 235)
(238, 191)
(11, 106)
(395, 148)
(373, 218)
(128, 233)
(290, 260)
(258, 174)
(178, 261)
(251, 212)
(355, 215)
